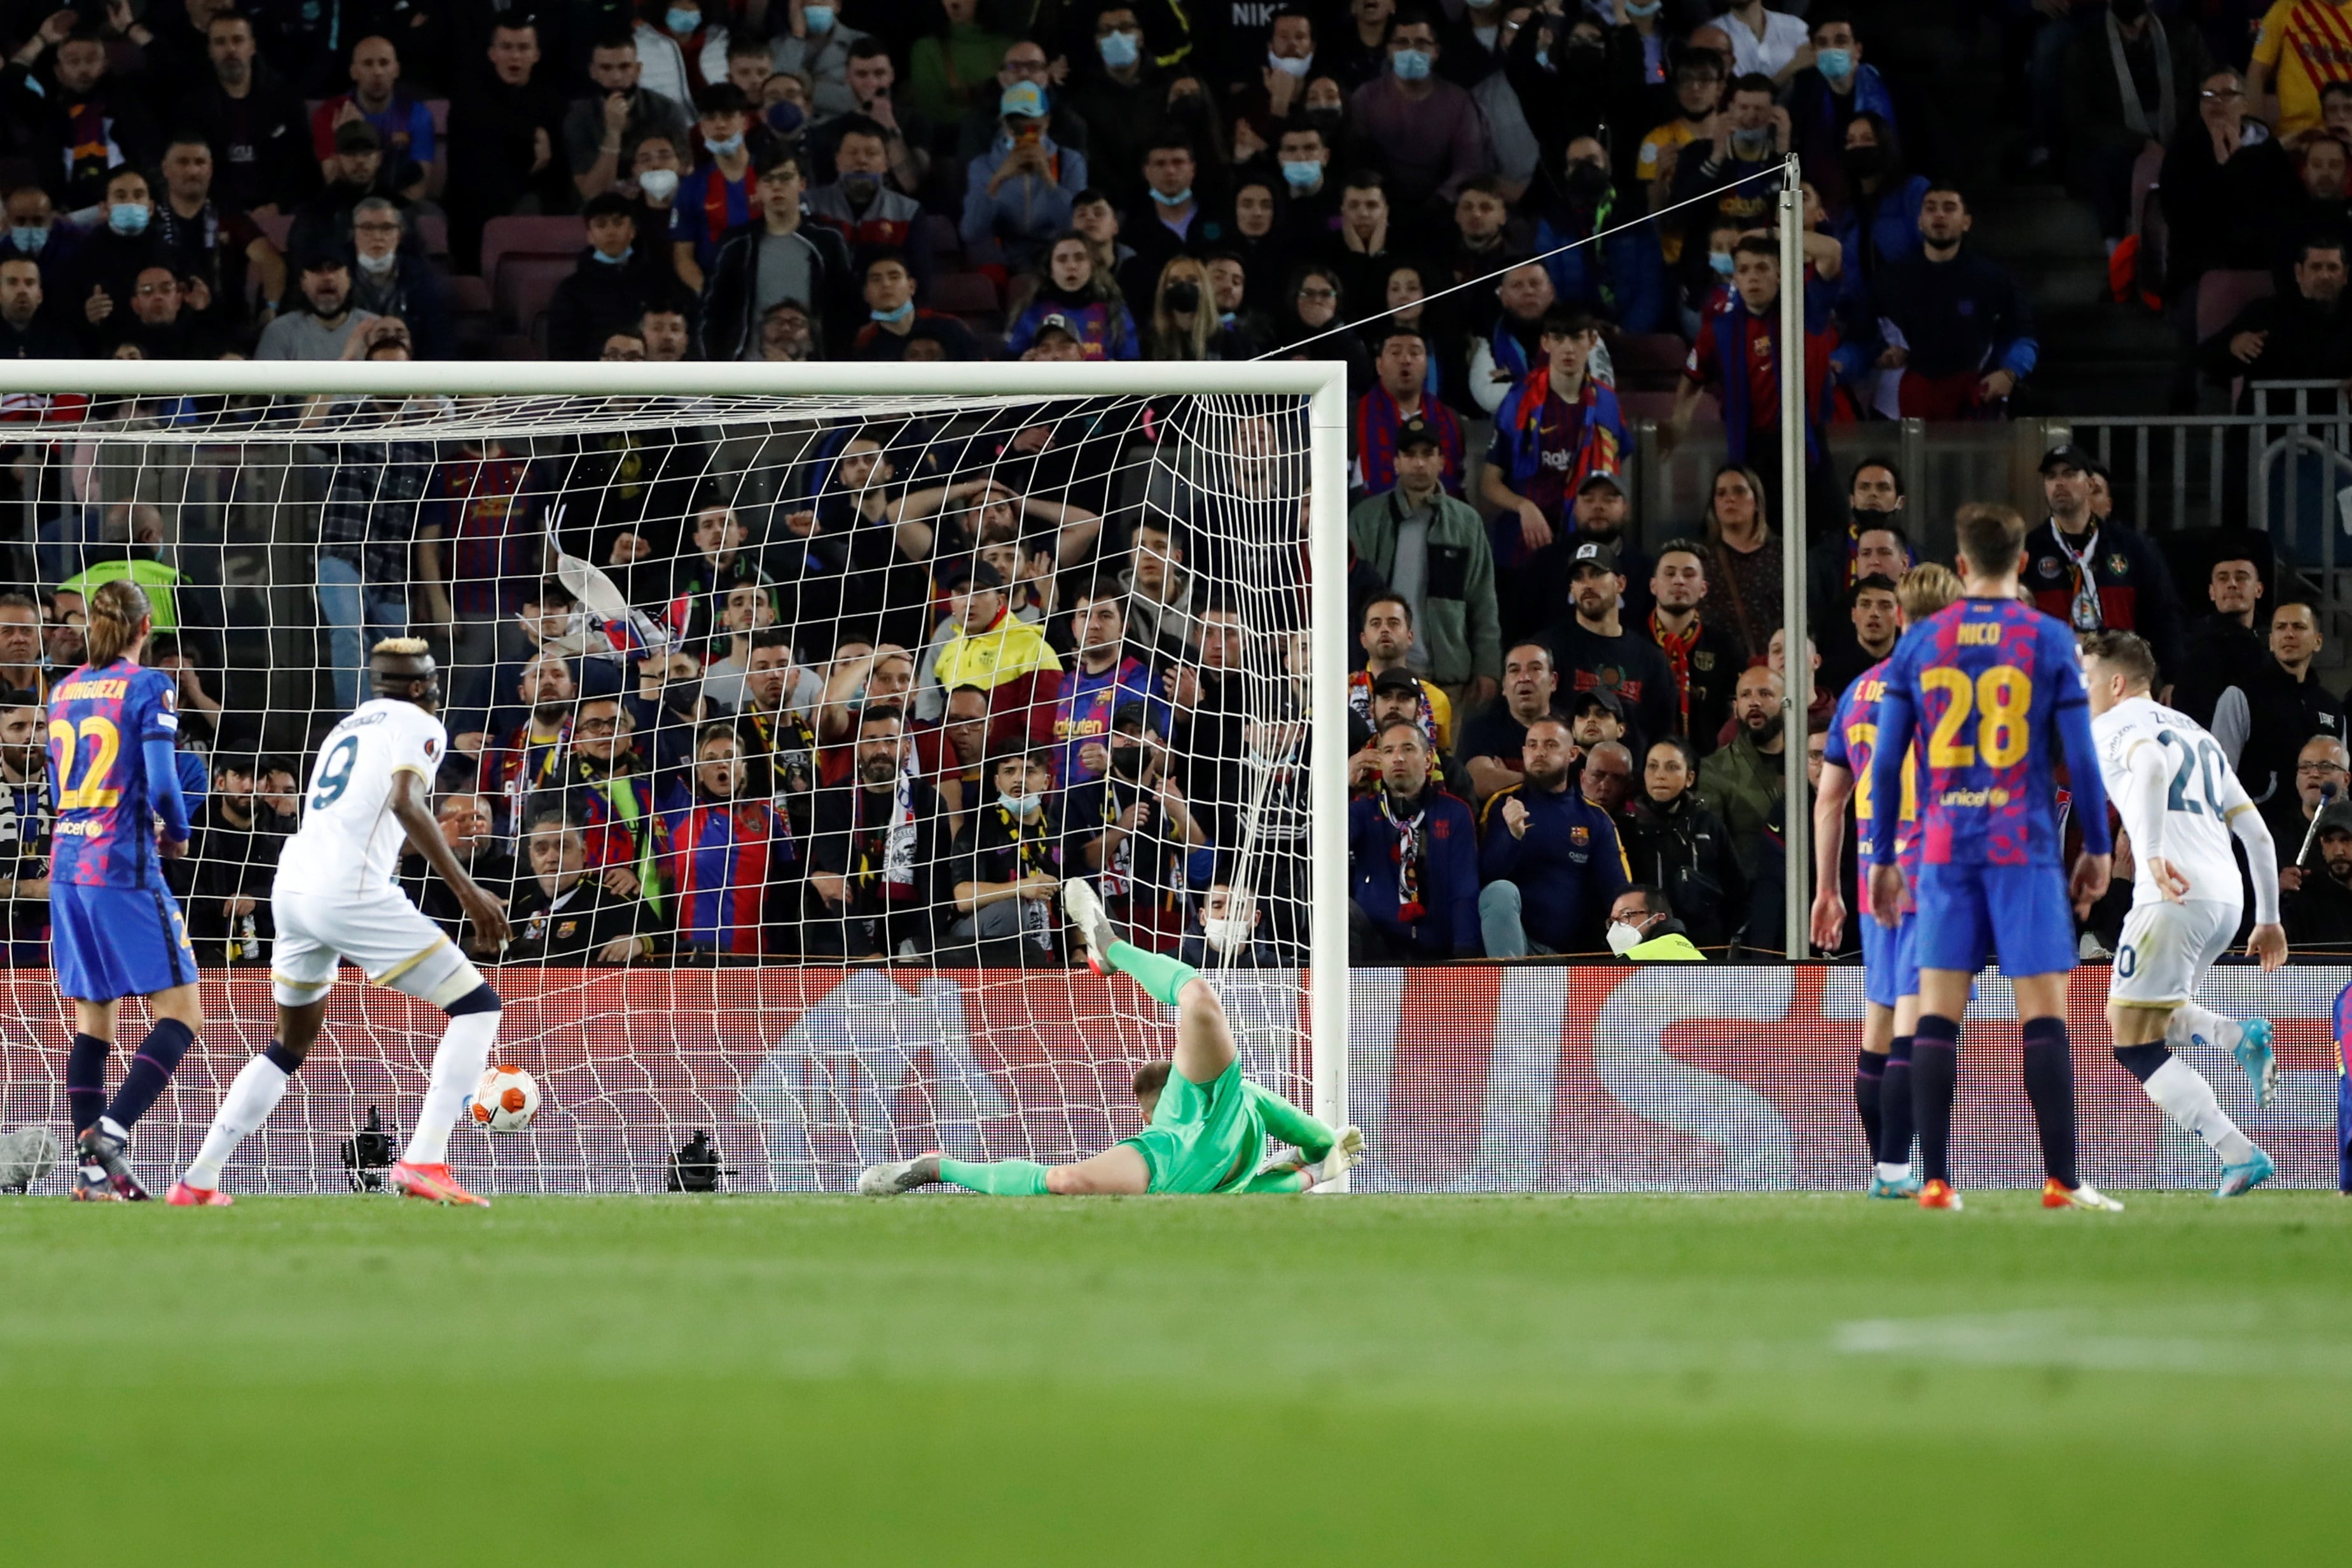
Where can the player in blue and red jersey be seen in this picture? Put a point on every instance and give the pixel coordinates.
(1994, 691)
(115, 928)
(1882, 1068)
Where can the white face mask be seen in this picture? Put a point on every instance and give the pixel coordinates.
(658, 184)
(378, 265)
(1226, 933)
(1022, 806)
(1287, 66)
(1623, 938)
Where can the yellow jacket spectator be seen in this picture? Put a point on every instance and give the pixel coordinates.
(998, 652)
(1643, 928)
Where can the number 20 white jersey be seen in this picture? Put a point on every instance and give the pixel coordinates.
(2201, 794)
(349, 842)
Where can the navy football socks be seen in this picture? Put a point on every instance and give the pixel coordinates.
(1869, 1069)
(1895, 1110)
(157, 1059)
(1935, 1081)
(85, 1081)
(2050, 1084)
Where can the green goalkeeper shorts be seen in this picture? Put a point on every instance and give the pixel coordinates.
(1203, 1137)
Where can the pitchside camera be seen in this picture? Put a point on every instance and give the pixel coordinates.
(697, 1166)
(367, 1154)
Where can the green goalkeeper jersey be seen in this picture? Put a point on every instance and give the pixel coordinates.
(1210, 1137)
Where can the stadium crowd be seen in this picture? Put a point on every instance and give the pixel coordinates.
(1561, 708)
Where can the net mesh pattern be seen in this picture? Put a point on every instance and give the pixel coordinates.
(665, 628)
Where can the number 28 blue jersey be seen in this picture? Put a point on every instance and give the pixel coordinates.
(1992, 685)
(100, 719)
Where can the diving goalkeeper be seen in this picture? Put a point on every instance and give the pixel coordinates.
(1205, 1125)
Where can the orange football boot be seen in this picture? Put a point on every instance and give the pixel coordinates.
(433, 1182)
(183, 1195)
(1938, 1194)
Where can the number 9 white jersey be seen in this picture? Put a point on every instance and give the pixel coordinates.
(2201, 793)
(350, 842)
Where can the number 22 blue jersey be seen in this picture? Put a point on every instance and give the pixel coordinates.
(99, 720)
(1990, 682)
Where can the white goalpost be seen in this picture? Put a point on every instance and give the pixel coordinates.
(677, 606)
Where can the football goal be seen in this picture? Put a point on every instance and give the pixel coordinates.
(779, 699)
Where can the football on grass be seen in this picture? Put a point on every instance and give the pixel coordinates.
(506, 1100)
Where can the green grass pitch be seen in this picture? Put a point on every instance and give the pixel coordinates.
(1739, 1379)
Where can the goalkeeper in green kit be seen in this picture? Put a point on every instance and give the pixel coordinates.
(1205, 1125)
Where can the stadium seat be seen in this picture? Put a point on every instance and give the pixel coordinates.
(433, 233)
(438, 108)
(971, 295)
(946, 242)
(1648, 361)
(524, 285)
(2223, 292)
(534, 236)
(275, 226)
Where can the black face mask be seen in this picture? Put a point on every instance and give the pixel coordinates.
(1587, 179)
(1182, 297)
(1868, 517)
(1326, 120)
(1866, 162)
(1127, 761)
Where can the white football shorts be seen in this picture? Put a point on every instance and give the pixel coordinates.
(379, 930)
(2167, 947)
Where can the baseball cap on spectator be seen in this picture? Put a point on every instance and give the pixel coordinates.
(2066, 455)
(979, 574)
(1055, 322)
(321, 256)
(1396, 681)
(1597, 555)
(1131, 717)
(2335, 817)
(1596, 696)
(1022, 99)
(357, 136)
(1415, 432)
(1611, 480)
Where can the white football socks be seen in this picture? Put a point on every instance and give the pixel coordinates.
(2191, 1024)
(458, 1066)
(2182, 1094)
(252, 1095)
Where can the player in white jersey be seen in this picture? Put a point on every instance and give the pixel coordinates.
(334, 898)
(2182, 803)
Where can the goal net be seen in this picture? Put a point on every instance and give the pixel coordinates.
(775, 716)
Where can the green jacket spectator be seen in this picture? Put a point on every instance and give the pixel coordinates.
(1742, 779)
(1431, 550)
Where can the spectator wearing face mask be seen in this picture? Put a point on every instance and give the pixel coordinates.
(391, 278)
(1621, 277)
(1838, 87)
(812, 41)
(109, 261)
(680, 52)
(1643, 929)
(1005, 871)
(862, 207)
(607, 290)
(621, 113)
(1426, 129)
